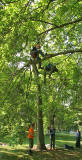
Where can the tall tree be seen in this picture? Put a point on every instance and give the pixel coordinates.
(57, 25)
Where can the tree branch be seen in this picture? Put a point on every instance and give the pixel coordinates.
(62, 25)
(61, 53)
(39, 20)
(31, 62)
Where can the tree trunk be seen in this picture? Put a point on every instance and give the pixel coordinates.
(41, 144)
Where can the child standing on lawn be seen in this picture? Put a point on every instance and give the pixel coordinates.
(31, 137)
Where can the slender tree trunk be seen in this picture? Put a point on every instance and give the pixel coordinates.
(41, 143)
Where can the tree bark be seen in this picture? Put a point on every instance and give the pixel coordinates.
(41, 143)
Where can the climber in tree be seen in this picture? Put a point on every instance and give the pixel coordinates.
(35, 52)
(49, 68)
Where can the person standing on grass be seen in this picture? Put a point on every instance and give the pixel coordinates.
(78, 138)
(52, 137)
(31, 137)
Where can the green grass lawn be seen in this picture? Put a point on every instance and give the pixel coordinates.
(62, 139)
(19, 152)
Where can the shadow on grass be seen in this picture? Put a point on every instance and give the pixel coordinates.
(20, 153)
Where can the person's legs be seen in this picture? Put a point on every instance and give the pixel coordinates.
(54, 142)
(30, 145)
(39, 63)
(78, 143)
(51, 142)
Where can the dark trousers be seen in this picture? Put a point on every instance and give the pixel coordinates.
(78, 143)
(52, 142)
(31, 143)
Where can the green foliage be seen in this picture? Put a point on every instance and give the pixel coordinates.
(22, 24)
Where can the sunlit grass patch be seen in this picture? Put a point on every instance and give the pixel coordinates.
(60, 143)
(19, 152)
